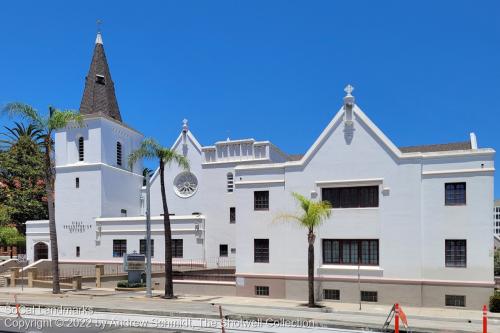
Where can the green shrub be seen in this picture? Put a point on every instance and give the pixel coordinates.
(125, 284)
(495, 303)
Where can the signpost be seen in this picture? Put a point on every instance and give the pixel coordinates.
(134, 265)
(22, 259)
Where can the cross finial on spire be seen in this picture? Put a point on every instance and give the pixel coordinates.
(98, 39)
(349, 89)
(185, 126)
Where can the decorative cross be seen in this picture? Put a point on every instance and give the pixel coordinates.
(349, 89)
(98, 24)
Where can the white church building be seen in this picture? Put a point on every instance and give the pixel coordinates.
(415, 222)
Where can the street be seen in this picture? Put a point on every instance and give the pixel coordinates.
(119, 322)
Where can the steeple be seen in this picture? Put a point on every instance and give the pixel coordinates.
(99, 93)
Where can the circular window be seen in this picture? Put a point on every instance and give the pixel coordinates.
(185, 184)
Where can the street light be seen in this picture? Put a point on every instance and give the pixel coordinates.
(148, 238)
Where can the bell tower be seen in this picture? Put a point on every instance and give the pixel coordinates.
(93, 178)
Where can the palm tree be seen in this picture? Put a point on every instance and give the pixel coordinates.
(146, 172)
(55, 120)
(150, 149)
(18, 131)
(312, 215)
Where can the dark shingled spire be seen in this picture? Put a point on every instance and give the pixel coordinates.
(99, 94)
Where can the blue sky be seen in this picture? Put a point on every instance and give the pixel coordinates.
(424, 71)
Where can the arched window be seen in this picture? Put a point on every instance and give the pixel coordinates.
(119, 153)
(80, 149)
(230, 182)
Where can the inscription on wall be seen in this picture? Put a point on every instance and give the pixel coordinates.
(77, 227)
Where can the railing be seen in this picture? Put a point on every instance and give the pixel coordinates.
(202, 269)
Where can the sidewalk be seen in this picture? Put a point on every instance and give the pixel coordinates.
(333, 314)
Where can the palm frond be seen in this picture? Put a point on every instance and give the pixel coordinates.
(147, 150)
(170, 156)
(25, 111)
(313, 213)
(60, 119)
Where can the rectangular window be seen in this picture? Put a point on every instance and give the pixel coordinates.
(232, 215)
(119, 247)
(77, 251)
(333, 294)
(455, 300)
(177, 248)
(455, 194)
(261, 200)
(77, 182)
(223, 250)
(456, 253)
(351, 197)
(261, 250)
(369, 296)
(350, 251)
(142, 247)
(261, 291)
(233, 250)
(123, 212)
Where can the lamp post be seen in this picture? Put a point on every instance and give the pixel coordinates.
(148, 238)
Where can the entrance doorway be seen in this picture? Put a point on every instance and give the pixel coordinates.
(41, 251)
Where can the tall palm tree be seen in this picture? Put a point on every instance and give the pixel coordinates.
(150, 149)
(56, 119)
(18, 131)
(313, 214)
(146, 172)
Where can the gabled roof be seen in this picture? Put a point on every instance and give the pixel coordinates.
(99, 93)
(465, 145)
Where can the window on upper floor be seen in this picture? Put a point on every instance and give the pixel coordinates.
(232, 214)
(261, 200)
(455, 194)
(81, 148)
(142, 247)
(351, 251)
(123, 212)
(261, 250)
(456, 253)
(351, 197)
(230, 182)
(77, 251)
(119, 153)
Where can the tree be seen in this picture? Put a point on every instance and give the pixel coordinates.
(150, 149)
(497, 262)
(14, 134)
(313, 214)
(10, 236)
(56, 119)
(146, 172)
(22, 183)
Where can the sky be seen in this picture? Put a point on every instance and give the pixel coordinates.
(424, 71)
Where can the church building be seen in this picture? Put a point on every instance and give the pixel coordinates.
(413, 222)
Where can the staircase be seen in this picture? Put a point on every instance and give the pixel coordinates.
(3, 281)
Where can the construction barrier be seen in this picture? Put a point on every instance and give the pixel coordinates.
(485, 319)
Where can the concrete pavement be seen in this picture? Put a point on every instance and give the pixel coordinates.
(333, 314)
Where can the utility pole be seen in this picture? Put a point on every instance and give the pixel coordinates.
(149, 293)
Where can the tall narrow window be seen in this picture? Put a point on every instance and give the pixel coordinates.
(261, 250)
(77, 251)
(232, 214)
(77, 182)
(142, 247)
(230, 182)
(119, 153)
(456, 253)
(177, 248)
(80, 149)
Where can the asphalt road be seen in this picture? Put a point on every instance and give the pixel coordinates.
(125, 323)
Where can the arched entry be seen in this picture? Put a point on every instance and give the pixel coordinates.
(41, 251)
